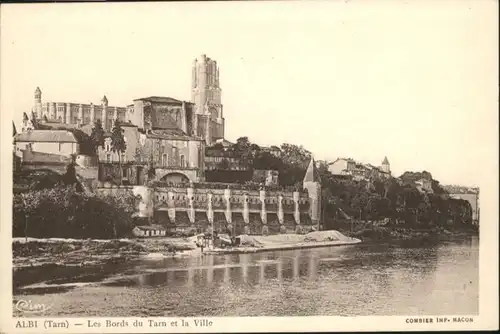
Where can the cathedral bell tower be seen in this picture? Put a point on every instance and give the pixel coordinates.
(206, 95)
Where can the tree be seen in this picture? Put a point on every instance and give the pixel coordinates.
(97, 136)
(63, 213)
(118, 144)
(255, 150)
(29, 204)
(295, 155)
(267, 161)
(242, 148)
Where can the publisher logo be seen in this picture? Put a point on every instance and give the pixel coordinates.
(26, 306)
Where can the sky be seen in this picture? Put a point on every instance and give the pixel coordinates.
(415, 81)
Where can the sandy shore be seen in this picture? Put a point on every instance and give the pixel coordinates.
(280, 247)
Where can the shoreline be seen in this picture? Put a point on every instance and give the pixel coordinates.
(305, 245)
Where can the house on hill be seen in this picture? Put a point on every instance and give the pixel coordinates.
(45, 146)
(359, 171)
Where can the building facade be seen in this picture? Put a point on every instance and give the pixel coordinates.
(77, 114)
(166, 134)
(230, 208)
(41, 145)
(174, 157)
(202, 117)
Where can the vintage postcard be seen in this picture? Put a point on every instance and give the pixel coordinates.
(249, 166)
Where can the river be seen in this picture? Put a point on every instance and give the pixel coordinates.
(363, 279)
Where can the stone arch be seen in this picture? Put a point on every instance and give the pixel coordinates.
(175, 177)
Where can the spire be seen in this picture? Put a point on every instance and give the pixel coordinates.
(14, 131)
(385, 162)
(104, 100)
(312, 173)
(25, 117)
(38, 93)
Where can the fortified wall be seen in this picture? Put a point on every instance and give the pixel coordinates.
(236, 210)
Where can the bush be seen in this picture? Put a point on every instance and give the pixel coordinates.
(61, 212)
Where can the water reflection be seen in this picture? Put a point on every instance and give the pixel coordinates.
(380, 266)
(296, 256)
(242, 268)
(312, 267)
(227, 270)
(210, 270)
(345, 280)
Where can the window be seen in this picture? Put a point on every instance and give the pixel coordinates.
(60, 147)
(183, 161)
(108, 157)
(123, 157)
(164, 159)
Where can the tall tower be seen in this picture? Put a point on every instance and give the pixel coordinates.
(386, 167)
(37, 107)
(312, 183)
(206, 95)
(104, 116)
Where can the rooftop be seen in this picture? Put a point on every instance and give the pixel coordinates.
(47, 136)
(160, 99)
(312, 174)
(151, 227)
(224, 142)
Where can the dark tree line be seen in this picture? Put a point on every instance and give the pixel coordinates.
(63, 212)
(399, 200)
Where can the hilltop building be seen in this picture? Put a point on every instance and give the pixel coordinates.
(76, 114)
(164, 133)
(359, 171)
(45, 146)
(424, 185)
(202, 117)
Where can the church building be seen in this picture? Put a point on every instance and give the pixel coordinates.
(165, 133)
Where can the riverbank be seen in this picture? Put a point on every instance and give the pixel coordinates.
(56, 261)
(78, 252)
(33, 252)
(398, 234)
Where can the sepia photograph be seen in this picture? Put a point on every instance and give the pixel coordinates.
(193, 162)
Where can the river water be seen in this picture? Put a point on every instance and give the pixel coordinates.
(363, 279)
